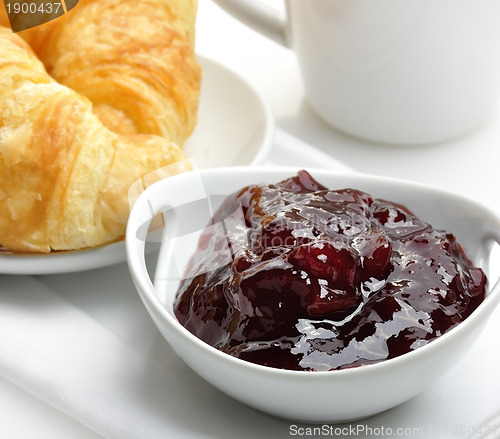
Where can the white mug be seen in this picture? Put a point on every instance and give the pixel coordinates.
(392, 71)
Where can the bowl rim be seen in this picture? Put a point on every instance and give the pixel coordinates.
(148, 292)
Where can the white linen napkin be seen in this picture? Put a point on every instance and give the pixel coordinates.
(288, 150)
(84, 343)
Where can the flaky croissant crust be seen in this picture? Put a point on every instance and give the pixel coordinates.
(64, 175)
(133, 59)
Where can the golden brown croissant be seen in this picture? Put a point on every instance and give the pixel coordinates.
(79, 129)
(134, 59)
(64, 176)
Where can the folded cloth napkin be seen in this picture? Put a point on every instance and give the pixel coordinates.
(288, 150)
(84, 343)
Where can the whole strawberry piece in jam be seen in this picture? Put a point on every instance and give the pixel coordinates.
(334, 276)
(375, 248)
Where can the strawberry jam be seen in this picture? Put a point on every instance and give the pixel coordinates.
(307, 278)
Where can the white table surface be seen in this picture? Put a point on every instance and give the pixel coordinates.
(468, 165)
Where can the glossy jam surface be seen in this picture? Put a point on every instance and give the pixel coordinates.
(308, 278)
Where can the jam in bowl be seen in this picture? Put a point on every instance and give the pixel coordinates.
(319, 279)
(353, 291)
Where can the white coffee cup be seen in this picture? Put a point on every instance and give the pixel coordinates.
(392, 71)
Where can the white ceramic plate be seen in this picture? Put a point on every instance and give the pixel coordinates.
(235, 127)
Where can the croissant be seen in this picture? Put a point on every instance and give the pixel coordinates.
(132, 58)
(67, 160)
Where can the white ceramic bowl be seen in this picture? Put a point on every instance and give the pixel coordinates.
(333, 396)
